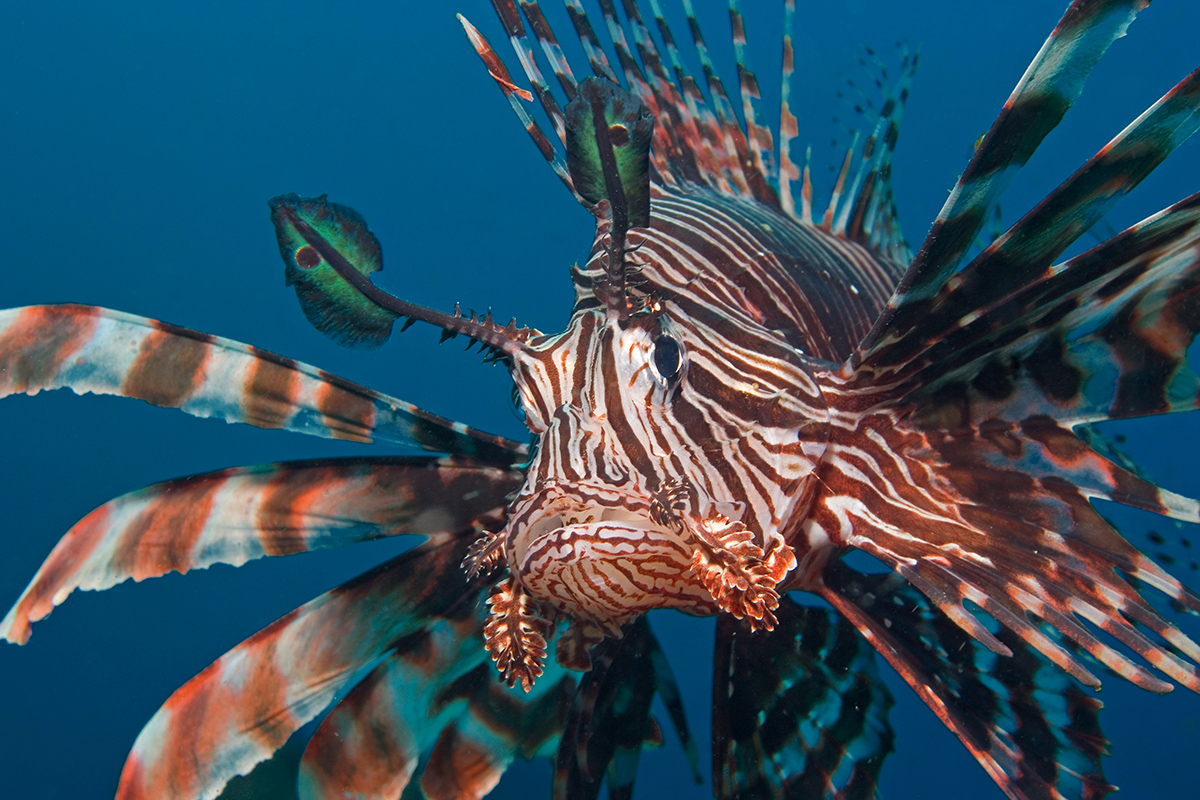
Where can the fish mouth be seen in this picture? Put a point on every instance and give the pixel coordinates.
(553, 511)
(582, 501)
(591, 501)
(607, 564)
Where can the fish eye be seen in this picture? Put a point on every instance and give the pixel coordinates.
(668, 357)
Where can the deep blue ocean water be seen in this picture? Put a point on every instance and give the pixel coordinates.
(139, 143)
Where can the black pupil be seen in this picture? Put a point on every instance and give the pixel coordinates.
(667, 357)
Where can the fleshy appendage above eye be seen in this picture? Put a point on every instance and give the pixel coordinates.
(668, 357)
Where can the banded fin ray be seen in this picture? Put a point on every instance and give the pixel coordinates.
(749, 174)
(700, 133)
(869, 215)
(609, 722)
(236, 515)
(246, 704)
(1066, 345)
(498, 726)
(94, 350)
(958, 514)
(956, 465)
(1050, 86)
(1133, 297)
(551, 49)
(1034, 730)
(688, 136)
(799, 713)
(1022, 256)
(517, 37)
(758, 136)
(1000, 429)
(597, 59)
(700, 141)
(648, 80)
(436, 698)
(433, 696)
(981, 475)
(401, 645)
(499, 72)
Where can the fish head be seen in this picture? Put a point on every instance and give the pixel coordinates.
(673, 462)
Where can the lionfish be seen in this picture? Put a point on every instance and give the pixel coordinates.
(749, 389)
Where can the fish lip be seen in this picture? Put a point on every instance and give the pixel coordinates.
(581, 498)
(576, 502)
(554, 506)
(570, 509)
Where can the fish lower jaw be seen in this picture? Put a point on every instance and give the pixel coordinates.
(609, 571)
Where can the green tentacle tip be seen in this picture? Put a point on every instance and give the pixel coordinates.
(630, 130)
(314, 232)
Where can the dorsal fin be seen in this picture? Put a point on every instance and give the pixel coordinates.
(701, 140)
(789, 126)
(752, 184)
(758, 137)
(515, 94)
(869, 216)
(591, 43)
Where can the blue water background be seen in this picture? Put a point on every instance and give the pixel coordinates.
(139, 143)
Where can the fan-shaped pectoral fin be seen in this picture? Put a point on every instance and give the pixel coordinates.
(99, 351)
(246, 705)
(236, 515)
(993, 703)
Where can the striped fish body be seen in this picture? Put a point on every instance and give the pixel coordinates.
(696, 420)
